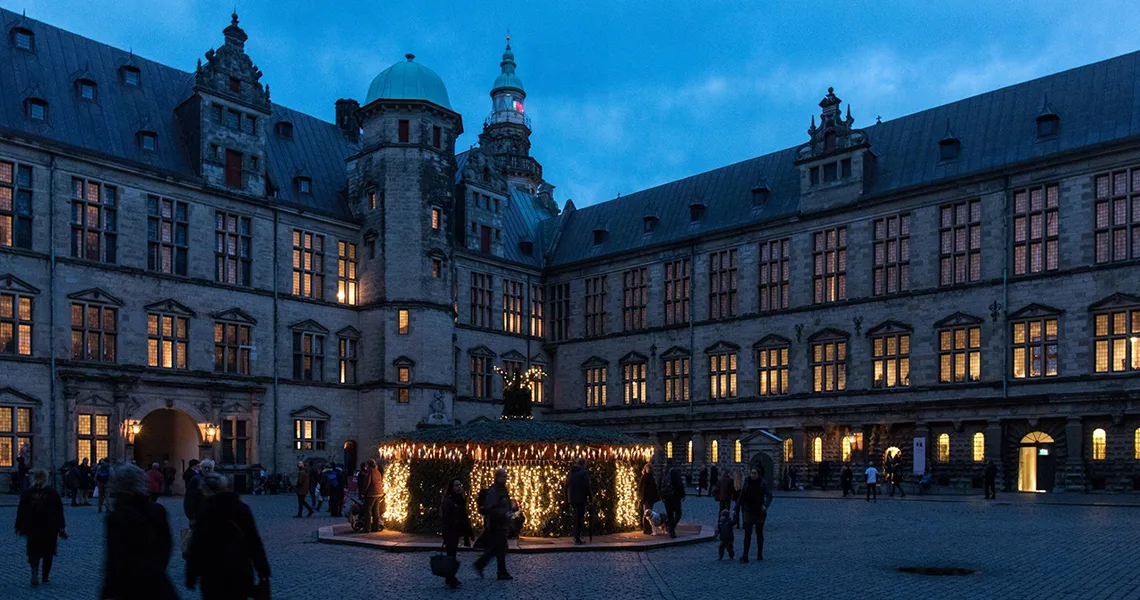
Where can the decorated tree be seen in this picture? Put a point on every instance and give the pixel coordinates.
(517, 391)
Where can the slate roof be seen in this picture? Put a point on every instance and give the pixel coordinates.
(1096, 103)
(109, 125)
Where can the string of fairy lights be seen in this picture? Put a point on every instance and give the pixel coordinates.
(521, 380)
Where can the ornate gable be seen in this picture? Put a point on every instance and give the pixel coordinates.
(349, 332)
(169, 306)
(722, 347)
(10, 395)
(309, 412)
(514, 355)
(481, 350)
(95, 400)
(231, 61)
(772, 340)
(834, 134)
(309, 325)
(234, 314)
(1035, 310)
(889, 327)
(11, 283)
(96, 296)
(958, 319)
(1117, 300)
(539, 358)
(633, 357)
(594, 362)
(675, 352)
(828, 333)
(403, 361)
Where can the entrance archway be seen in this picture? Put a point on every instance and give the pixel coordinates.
(170, 435)
(1036, 465)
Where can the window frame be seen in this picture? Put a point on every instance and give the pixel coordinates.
(1025, 347)
(772, 375)
(960, 243)
(482, 300)
(20, 324)
(20, 34)
(537, 325)
(979, 447)
(481, 380)
(890, 237)
(105, 231)
(1099, 447)
(165, 254)
(1118, 192)
(314, 353)
(884, 357)
(314, 438)
(308, 249)
(596, 383)
(942, 447)
(234, 443)
(775, 274)
(839, 343)
(723, 374)
(633, 381)
(513, 301)
(158, 341)
(1047, 242)
(89, 443)
(678, 291)
(104, 338)
(1106, 345)
(635, 298)
(347, 359)
(347, 263)
(558, 296)
(233, 248)
(723, 281)
(675, 375)
(829, 265)
(595, 305)
(959, 341)
(17, 181)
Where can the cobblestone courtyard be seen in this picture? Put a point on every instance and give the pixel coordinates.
(815, 549)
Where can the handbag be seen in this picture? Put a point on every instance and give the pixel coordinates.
(443, 565)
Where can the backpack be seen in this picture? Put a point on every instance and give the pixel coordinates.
(331, 479)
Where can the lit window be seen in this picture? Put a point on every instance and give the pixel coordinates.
(1117, 226)
(845, 448)
(93, 432)
(775, 271)
(372, 200)
(596, 386)
(94, 332)
(308, 264)
(1136, 444)
(1099, 443)
(167, 235)
(481, 377)
(891, 271)
(404, 375)
(689, 452)
(737, 452)
(714, 452)
(167, 341)
(436, 217)
(677, 379)
(93, 221)
(347, 360)
(788, 453)
(309, 434)
(403, 324)
(1035, 348)
(15, 205)
(677, 292)
(1117, 340)
(892, 452)
(403, 395)
(1036, 230)
(979, 447)
(537, 325)
(960, 354)
(15, 324)
(513, 301)
(346, 273)
(772, 366)
(944, 448)
(817, 450)
(595, 306)
(722, 284)
(633, 383)
(308, 356)
(829, 260)
(669, 449)
(436, 268)
(891, 360)
(829, 362)
(232, 348)
(635, 295)
(960, 245)
(722, 375)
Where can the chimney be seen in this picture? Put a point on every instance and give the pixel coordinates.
(346, 118)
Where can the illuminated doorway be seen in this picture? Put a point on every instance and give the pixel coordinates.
(1036, 470)
(168, 436)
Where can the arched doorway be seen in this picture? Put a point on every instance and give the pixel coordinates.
(168, 435)
(1036, 465)
(766, 464)
(892, 453)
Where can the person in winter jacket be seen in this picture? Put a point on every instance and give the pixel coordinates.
(39, 517)
(71, 481)
(302, 489)
(498, 510)
(193, 500)
(102, 478)
(753, 510)
(154, 482)
(673, 498)
(225, 547)
(725, 534)
(649, 495)
(336, 494)
(578, 493)
(373, 495)
(724, 491)
(138, 541)
(702, 481)
(84, 482)
(456, 523)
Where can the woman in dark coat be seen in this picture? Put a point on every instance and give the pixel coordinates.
(225, 548)
(648, 493)
(138, 541)
(456, 523)
(40, 519)
(753, 510)
(724, 491)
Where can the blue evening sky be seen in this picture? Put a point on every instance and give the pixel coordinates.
(625, 95)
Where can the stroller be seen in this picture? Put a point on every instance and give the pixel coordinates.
(355, 514)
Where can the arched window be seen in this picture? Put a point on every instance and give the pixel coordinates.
(944, 448)
(845, 447)
(714, 452)
(892, 452)
(1136, 444)
(817, 449)
(668, 449)
(1100, 440)
(788, 450)
(690, 452)
(979, 447)
(738, 453)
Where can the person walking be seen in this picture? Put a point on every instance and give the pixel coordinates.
(674, 496)
(824, 474)
(314, 476)
(192, 502)
(726, 536)
(755, 497)
(190, 473)
(168, 474)
(84, 482)
(138, 541)
(71, 481)
(102, 478)
(702, 481)
(326, 486)
(894, 476)
(154, 481)
(847, 480)
(302, 489)
(714, 481)
(991, 479)
(456, 523)
(872, 475)
(226, 550)
(649, 495)
(498, 512)
(336, 495)
(373, 494)
(39, 517)
(577, 494)
(724, 492)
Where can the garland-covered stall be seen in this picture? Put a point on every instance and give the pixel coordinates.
(537, 456)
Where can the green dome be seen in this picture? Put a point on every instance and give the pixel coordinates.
(408, 80)
(507, 78)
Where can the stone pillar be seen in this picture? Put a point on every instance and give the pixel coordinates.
(994, 450)
(698, 454)
(1074, 468)
(118, 424)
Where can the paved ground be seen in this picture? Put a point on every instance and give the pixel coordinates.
(816, 549)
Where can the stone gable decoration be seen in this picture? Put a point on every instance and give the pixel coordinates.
(231, 62)
(9, 395)
(170, 307)
(234, 314)
(834, 133)
(11, 283)
(95, 296)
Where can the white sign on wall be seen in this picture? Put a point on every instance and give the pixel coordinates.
(919, 455)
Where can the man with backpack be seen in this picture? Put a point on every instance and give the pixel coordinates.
(496, 506)
(336, 492)
(577, 493)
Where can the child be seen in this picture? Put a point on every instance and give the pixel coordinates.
(724, 532)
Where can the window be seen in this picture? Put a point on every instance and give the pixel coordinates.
(737, 452)
(829, 260)
(232, 254)
(1136, 444)
(436, 219)
(830, 172)
(304, 185)
(722, 284)
(167, 224)
(131, 75)
(1099, 442)
(167, 340)
(513, 306)
(722, 375)
(24, 39)
(668, 449)
(845, 167)
(891, 270)
(404, 131)
(890, 354)
(15, 324)
(817, 449)
(559, 295)
(960, 246)
(677, 379)
(689, 451)
(774, 274)
(960, 354)
(979, 447)
(1036, 230)
(677, 292)
(845, 449)
(814, 176)
(772, 366)
(308, 356)
(232, 348)
(1118, 215)
(148, 140)
(829, 362)
(309, 434)
(788, 450)
(648, 224)
(284, 130)
(537, 391)
(436, 268)
(15, 205)
(536, 323)
(714, 451)
(403, 324)
(634, 297)
(93, 436)
(93, 332)
(93, 222)
(696, 212)
(481, 297)
(1117, 340)
(595, 306)
(346, 272)
(347, 360)
(596, 386)
(308, 264)
(633, 382)
(37, 109)
(235, 441)
(481, 376)
(1035, 348)
(235, 169)
(85, 89)
(235, 85)
(948, 148)
(436, 136)
(600, 236)
(944, 448)
(372, 200)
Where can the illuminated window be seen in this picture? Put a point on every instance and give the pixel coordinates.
(232, 256)
(1035, 348)
(481, 376)
(722, 284)
(677, 292)
(537, 390)
(979, 447)
(890, 352)
(436, 219)
(513, 306)
(1036, 230)
(15, 205)
(676, 374)
(309, 434)
(537, 328)
(404, 375)
(1099, 442)
(772, 365)
(481, 295)
(93, 221)
(595, 306)
(788, 453)
(633, 382)
(960, 246)
(15, 324)
(308, 264)
(829, 361)
(737, 452)
(372, 200)
(1117, 340)
(93, 435)
(347, 359)
(722, 375)
(714, 452)
(959, 350)
(93, 332)
(689, 456)
(167, 231)
(436, 268)
(944, 448)
(669, 449)
(1136, 444)
(308, 356)
(403, 322)
(829, 263)
(167, 340)
(817, 449)
(634, 293)
(346, 273)
(845, 448)
(891, 255)
(596, 386)
(232, 347)
(15, 435)
(558, 295)
(774, 274)
(1117, 226)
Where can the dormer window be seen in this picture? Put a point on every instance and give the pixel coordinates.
(285, 130)
(131, 75)
(948, 149)
(696, 212)
(148, 140)
(1048, 124)
(830, 172)
(600, 236)
(24, 39)
(526, 247)
(649, 223)
(85, 89)
(36, 108)
(303, 184)
(760, 195)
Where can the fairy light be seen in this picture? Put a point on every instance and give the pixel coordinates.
(396, 475)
